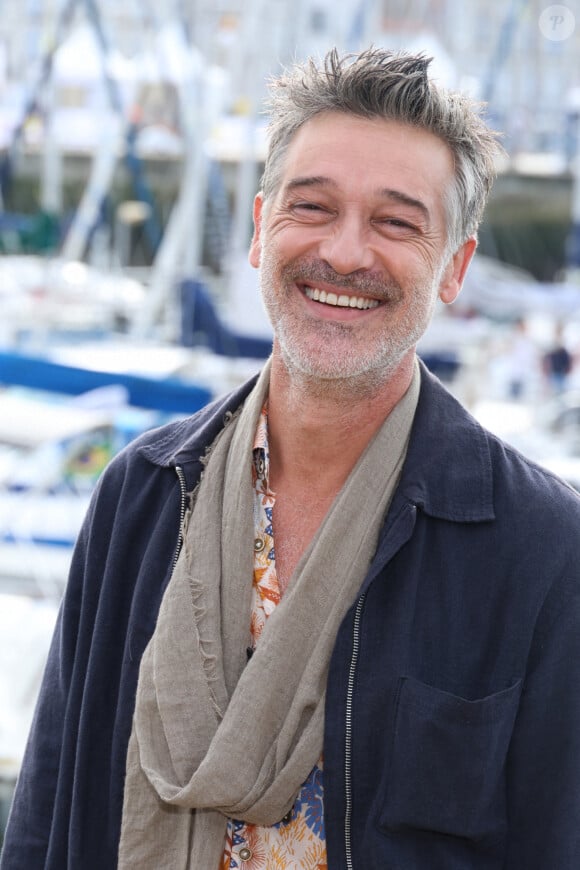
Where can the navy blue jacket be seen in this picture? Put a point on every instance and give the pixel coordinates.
(452, 734)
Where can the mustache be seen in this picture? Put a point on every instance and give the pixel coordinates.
(362, 282)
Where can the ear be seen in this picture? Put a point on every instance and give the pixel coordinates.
(256, 244)
(454, 274)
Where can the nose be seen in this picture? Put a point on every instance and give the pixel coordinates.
(346, 247)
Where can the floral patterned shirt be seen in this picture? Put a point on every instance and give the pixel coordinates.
(298, 841)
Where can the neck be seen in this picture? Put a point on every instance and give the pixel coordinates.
(319, 429)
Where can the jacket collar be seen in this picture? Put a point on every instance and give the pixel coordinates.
(184, 443)
(448, 469)
(447, 472)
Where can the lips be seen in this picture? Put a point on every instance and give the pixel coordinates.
(342, 300)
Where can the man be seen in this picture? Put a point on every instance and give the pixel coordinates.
(399, 685)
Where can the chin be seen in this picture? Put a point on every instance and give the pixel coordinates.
(358, 372)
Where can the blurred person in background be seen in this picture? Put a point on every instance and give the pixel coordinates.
(558, 363)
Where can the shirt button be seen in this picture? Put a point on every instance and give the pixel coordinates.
(258, 545)
(245, 853)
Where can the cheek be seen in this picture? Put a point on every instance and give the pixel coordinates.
(421, 273)
(288, 241)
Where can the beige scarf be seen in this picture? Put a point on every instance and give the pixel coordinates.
(216, 736)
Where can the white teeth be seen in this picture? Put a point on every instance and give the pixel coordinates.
(342, 301)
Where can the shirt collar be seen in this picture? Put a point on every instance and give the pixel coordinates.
(261, 449)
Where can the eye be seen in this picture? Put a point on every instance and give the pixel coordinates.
(395, 225)
(308, 206)
(397, 222)
(309, 211)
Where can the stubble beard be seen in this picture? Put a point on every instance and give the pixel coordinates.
(333, 356)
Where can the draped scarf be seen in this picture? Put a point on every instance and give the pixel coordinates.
(215, 735)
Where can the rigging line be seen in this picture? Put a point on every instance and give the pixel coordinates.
(503, 48)
(31, 103)
(132, 159)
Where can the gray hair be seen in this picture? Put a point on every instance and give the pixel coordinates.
(394, 86)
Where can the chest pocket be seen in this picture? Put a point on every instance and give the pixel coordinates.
(448, 762)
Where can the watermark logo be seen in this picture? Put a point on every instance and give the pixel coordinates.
(557, 23)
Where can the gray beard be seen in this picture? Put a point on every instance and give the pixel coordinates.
(358, 373)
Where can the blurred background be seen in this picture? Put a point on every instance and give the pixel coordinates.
(131, 145)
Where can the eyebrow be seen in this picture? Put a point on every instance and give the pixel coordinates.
(405, 199)
(385, 192)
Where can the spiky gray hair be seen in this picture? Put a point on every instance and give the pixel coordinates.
(395, 86)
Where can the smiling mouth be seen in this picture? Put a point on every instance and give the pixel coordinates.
(340, 301)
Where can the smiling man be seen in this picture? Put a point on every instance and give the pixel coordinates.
(329, 621)
(358, 227)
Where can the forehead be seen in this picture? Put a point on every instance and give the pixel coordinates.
(366, 155)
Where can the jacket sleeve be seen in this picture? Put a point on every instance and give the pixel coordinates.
(544, 759)
(67, 806)
(37, 791)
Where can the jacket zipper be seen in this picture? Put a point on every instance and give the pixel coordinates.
(182, 509)
(348, 732)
